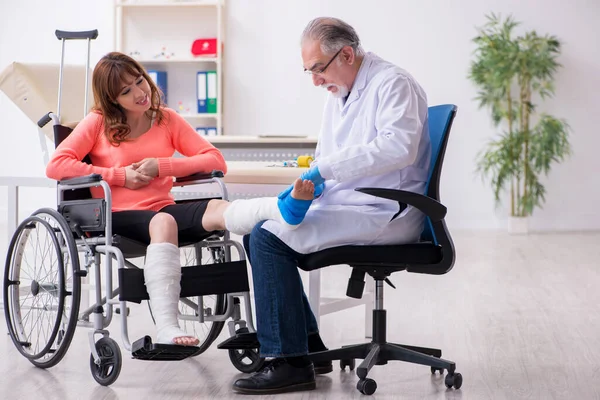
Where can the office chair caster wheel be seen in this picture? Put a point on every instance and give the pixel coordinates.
(454, 380)
(107, 372)
(366, 386)
(434, 370)
(350, 363)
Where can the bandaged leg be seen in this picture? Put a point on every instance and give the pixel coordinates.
(242, 215)
(162, 275)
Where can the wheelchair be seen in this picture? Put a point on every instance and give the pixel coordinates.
(54, 252)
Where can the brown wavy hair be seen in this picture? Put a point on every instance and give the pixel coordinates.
(107, 80)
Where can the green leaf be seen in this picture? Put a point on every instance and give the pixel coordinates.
(508, 71)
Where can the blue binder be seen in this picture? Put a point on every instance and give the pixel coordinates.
(160, 79)
(201, 92)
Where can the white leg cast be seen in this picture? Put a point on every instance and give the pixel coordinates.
(242, 215)
(162, 274)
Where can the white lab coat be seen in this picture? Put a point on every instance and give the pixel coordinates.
(378, 138)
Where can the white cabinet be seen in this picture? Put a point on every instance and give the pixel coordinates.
(160, 34)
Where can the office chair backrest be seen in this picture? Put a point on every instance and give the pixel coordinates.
(440, 122)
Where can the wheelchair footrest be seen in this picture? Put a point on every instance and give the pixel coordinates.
(240, 341)
(144, 349)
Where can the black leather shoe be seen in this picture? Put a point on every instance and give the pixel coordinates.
(321, 367)
(277, 376)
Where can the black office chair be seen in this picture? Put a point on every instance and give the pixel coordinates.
(433, 254)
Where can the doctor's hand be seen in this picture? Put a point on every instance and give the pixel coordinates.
(134, 179)
(148, 167)
(313, 175)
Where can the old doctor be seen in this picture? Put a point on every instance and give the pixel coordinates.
(374, 133)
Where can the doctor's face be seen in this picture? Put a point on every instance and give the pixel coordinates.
(327, 71)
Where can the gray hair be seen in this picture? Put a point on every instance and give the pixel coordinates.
(333, 34)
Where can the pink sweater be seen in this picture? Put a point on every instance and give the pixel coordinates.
(161, 141)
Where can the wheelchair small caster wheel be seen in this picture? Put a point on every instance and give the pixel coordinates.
(350, 363)
(454, 380)
(107, 372)
(434, 370)
(366, 386)
(246, 360)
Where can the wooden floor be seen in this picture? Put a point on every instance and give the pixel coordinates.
(520, 316)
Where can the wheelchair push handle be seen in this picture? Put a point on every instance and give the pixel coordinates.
(44, 120)
(76, 35)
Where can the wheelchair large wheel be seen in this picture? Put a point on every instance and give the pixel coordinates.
(42, 288)
(207, 331)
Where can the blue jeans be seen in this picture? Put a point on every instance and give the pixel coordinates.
(283, 315)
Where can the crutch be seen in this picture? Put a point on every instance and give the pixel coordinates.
(55, 117)
(60, 131)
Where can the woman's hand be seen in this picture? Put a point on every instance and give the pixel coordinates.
(134, 179)
(148, 167)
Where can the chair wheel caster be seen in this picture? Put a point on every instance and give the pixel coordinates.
(246, 360)
(107, 372)
(366, 386)
(434, 370)
(454, 380)
(350, 363)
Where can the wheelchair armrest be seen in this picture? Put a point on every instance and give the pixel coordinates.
(81, 180)
(199, 176)
(435, 210)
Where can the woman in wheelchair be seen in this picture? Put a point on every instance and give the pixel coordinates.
(130, 138)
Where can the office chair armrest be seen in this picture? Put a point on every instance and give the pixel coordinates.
(199, 176)
(435, 210)
(81, 180)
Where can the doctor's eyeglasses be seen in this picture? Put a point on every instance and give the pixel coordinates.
(319, 71)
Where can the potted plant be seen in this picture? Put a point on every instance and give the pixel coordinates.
(511, 73)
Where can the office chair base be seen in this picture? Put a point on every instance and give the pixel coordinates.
(380, 353)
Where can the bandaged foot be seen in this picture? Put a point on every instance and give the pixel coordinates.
(293, 207)
(288, 209)
(162, 275)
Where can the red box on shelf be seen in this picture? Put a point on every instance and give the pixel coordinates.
(204, 47)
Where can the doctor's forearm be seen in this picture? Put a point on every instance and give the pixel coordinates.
(378, 157)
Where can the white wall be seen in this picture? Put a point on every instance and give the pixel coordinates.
(267, 93)
(27, 35)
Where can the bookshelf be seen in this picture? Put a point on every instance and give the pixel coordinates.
(159, 34)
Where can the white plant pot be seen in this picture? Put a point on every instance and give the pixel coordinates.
(518, 225)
